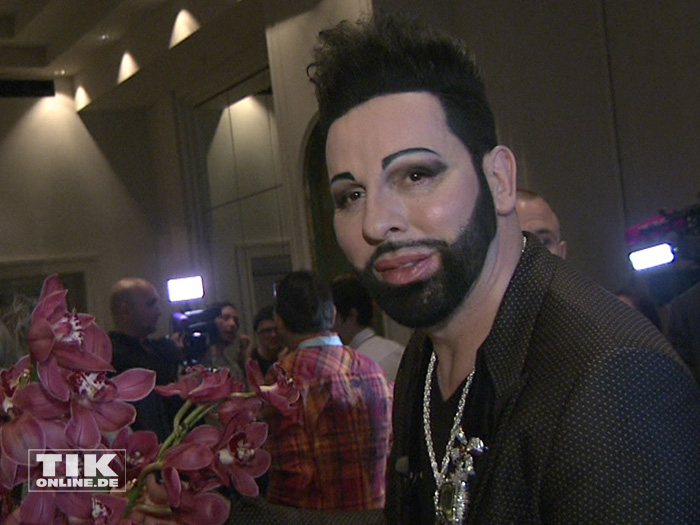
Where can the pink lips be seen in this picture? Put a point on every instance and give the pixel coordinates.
(407, 267)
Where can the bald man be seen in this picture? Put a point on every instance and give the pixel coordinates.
(537, 217)
(135, 306)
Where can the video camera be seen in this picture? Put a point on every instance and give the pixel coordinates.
(198, 328)
(668, 244)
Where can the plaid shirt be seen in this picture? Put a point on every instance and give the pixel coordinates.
(331, 453)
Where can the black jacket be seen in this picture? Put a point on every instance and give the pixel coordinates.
(154, 412)
(588, 414)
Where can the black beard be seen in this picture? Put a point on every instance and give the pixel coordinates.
(432, 301)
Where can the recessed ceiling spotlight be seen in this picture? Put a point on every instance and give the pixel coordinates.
(185, 25)
(103, 37)
(59, 73)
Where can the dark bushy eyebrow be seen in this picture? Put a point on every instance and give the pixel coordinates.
(346, 175)
(391, 158)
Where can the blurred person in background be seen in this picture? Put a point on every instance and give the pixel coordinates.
(536, 216)
(135, 307)
(222, 339)
(353, 322)
(330, 453)
(269, 345)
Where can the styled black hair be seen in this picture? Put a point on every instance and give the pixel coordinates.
(304, 302)
(349, 292)
(266, 313)
(387, 54)
(220, 305)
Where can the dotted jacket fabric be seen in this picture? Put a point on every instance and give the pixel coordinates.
(258, 511)
(588, 414)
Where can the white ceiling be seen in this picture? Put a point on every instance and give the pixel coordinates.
(83, 40)
(39, 38)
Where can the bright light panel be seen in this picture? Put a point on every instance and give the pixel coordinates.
(652, 257)
(185, 288)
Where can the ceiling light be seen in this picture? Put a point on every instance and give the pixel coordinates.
(185, 24)
(127, 67)
(82, 98)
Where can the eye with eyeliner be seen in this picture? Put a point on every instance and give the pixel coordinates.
(418, 173)
(344, 198)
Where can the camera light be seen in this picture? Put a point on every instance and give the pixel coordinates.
(185, 288)
(652, 256)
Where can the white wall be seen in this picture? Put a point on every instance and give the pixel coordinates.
(247, 205)
(67, 203)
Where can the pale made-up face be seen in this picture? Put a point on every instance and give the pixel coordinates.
(537, 217)
(398, 173)
(411, 214)
(227, 324)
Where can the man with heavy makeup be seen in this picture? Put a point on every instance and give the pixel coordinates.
(528, 394)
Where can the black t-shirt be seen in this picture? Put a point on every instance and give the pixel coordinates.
(154, 412)
(442, 413)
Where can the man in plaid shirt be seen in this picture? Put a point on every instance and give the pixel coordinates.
(330, 453)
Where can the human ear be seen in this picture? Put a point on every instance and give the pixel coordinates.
(562, 249)
(501, 169)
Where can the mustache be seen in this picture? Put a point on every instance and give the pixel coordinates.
(393, 246)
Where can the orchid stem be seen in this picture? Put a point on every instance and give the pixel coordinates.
(182, 423)
(177, 432)
(135, 492)
(181, 413)
(157, 510)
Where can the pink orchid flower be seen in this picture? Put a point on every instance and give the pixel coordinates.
(282, 394)
(22, 406)
(99, 404)
(37, 508)
(238, 456)
(203, 507)
(94, 356)
(242, 458)
(201, 385)
(91, 508)
(243, 409)
(61, 339)
(184, 457)
(141, 449)
(196, 507)
(58, 332)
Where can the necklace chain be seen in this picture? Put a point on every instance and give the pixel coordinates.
(439, 473)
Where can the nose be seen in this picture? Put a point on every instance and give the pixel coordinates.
(384, 216)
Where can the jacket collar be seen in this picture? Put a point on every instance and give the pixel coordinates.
(505, 349)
